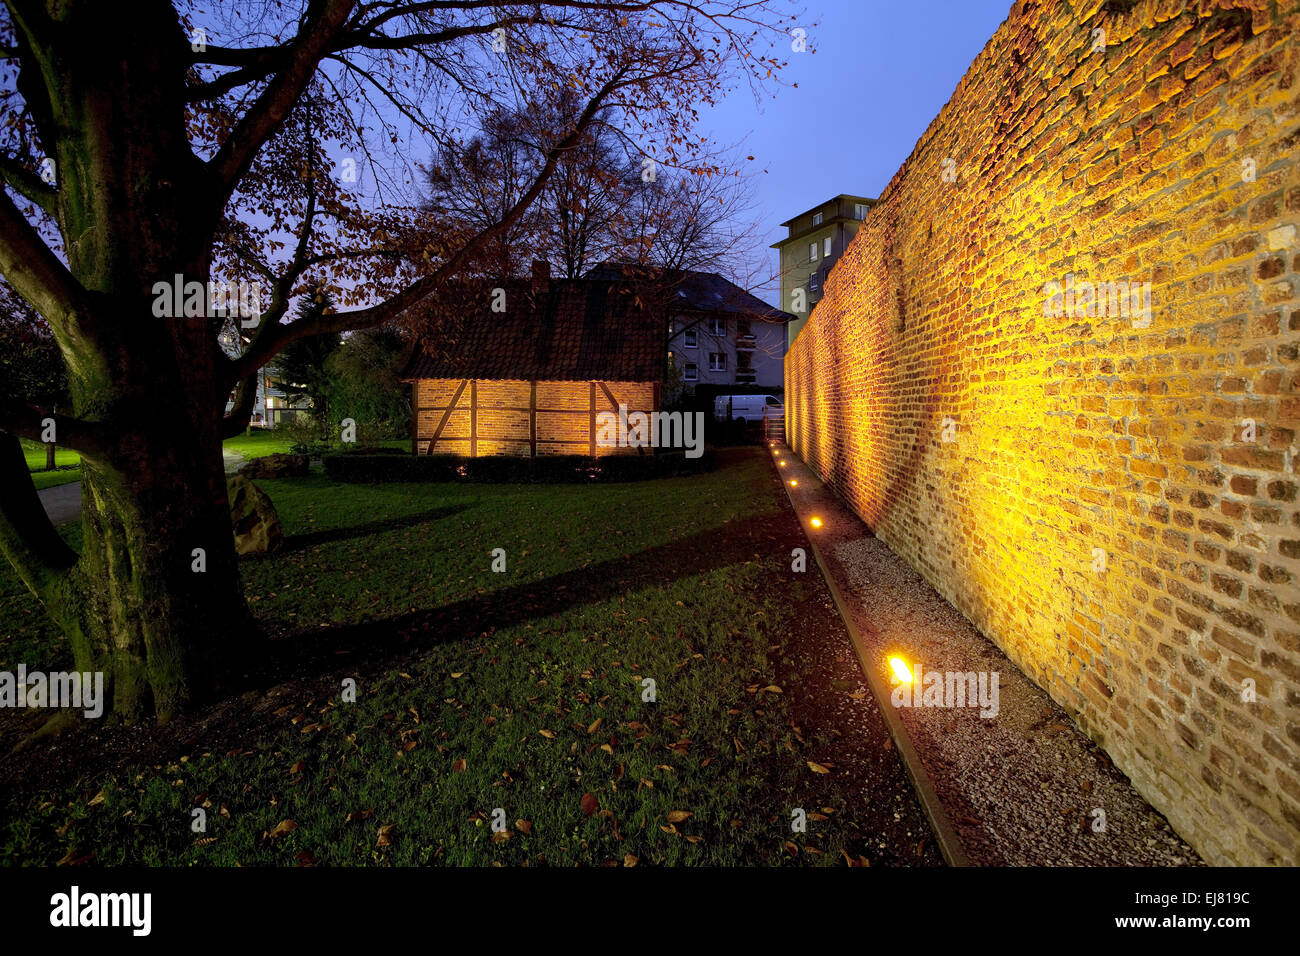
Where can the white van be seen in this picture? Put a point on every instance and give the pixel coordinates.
(748, 408)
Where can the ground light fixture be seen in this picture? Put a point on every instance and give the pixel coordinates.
(900, 670)
(793, 483)
(816, 522)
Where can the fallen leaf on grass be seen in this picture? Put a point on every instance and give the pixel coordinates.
(298, 767)
(589, 804)
(677, 816)
(595, 725)
(816, 767)
(548, 734)
(386, 834)
(358, 815)
(283, 827)
(524, 826)
(630, 859)
(458, 766)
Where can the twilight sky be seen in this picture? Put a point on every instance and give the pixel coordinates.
(882, 71)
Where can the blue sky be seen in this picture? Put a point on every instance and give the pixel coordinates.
(881, 72)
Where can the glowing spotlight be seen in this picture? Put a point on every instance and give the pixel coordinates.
(793, 483)
(816, 522)
(781, 463)
(900, 670)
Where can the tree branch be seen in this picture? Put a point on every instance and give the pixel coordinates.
(36, 272)
(90, 439)
(319, 28)
(273, 339)
(27, 183)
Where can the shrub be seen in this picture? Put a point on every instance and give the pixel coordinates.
(387, 466)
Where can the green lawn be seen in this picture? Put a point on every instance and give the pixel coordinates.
(525, 695)
(259, 442)
(64, 459)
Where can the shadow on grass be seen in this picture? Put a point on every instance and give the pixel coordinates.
(319, 650)
(302, 542)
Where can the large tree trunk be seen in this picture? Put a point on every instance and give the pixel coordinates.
(135, 603)
(157, 576)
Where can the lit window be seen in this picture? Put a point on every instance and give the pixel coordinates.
(717, 362)
(690, 372)
(826, 246)
(691, 338)
(812, 252)
(860, 210)
(817, 219)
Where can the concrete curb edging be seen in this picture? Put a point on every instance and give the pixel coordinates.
(949, 842)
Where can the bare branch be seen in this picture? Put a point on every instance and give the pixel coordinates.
(279, 336)
(267, 114)
(35, 271)
(27, 183)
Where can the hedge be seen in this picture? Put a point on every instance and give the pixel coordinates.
(554, 469)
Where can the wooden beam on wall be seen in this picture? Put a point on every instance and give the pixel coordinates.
(591, 441)
(532, 419)
(437, 433)
(473, 418)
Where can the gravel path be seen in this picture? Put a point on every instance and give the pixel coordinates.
(1021, 788)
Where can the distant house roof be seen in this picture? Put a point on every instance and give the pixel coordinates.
(689, 291)
(574, 330)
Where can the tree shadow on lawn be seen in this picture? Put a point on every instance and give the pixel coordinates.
(311, 539)
(307, 653)
(302, 665)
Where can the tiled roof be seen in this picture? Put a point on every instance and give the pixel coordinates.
(690, 291)
(575, 330)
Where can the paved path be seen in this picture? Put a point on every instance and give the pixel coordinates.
(63, 502)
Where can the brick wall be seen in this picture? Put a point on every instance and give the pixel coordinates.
(1162, 151)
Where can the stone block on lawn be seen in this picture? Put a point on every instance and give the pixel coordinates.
(256, 524)
(277, 466)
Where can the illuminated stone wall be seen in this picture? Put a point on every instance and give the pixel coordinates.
(1163, 444)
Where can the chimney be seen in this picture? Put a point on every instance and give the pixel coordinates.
(541, 276)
